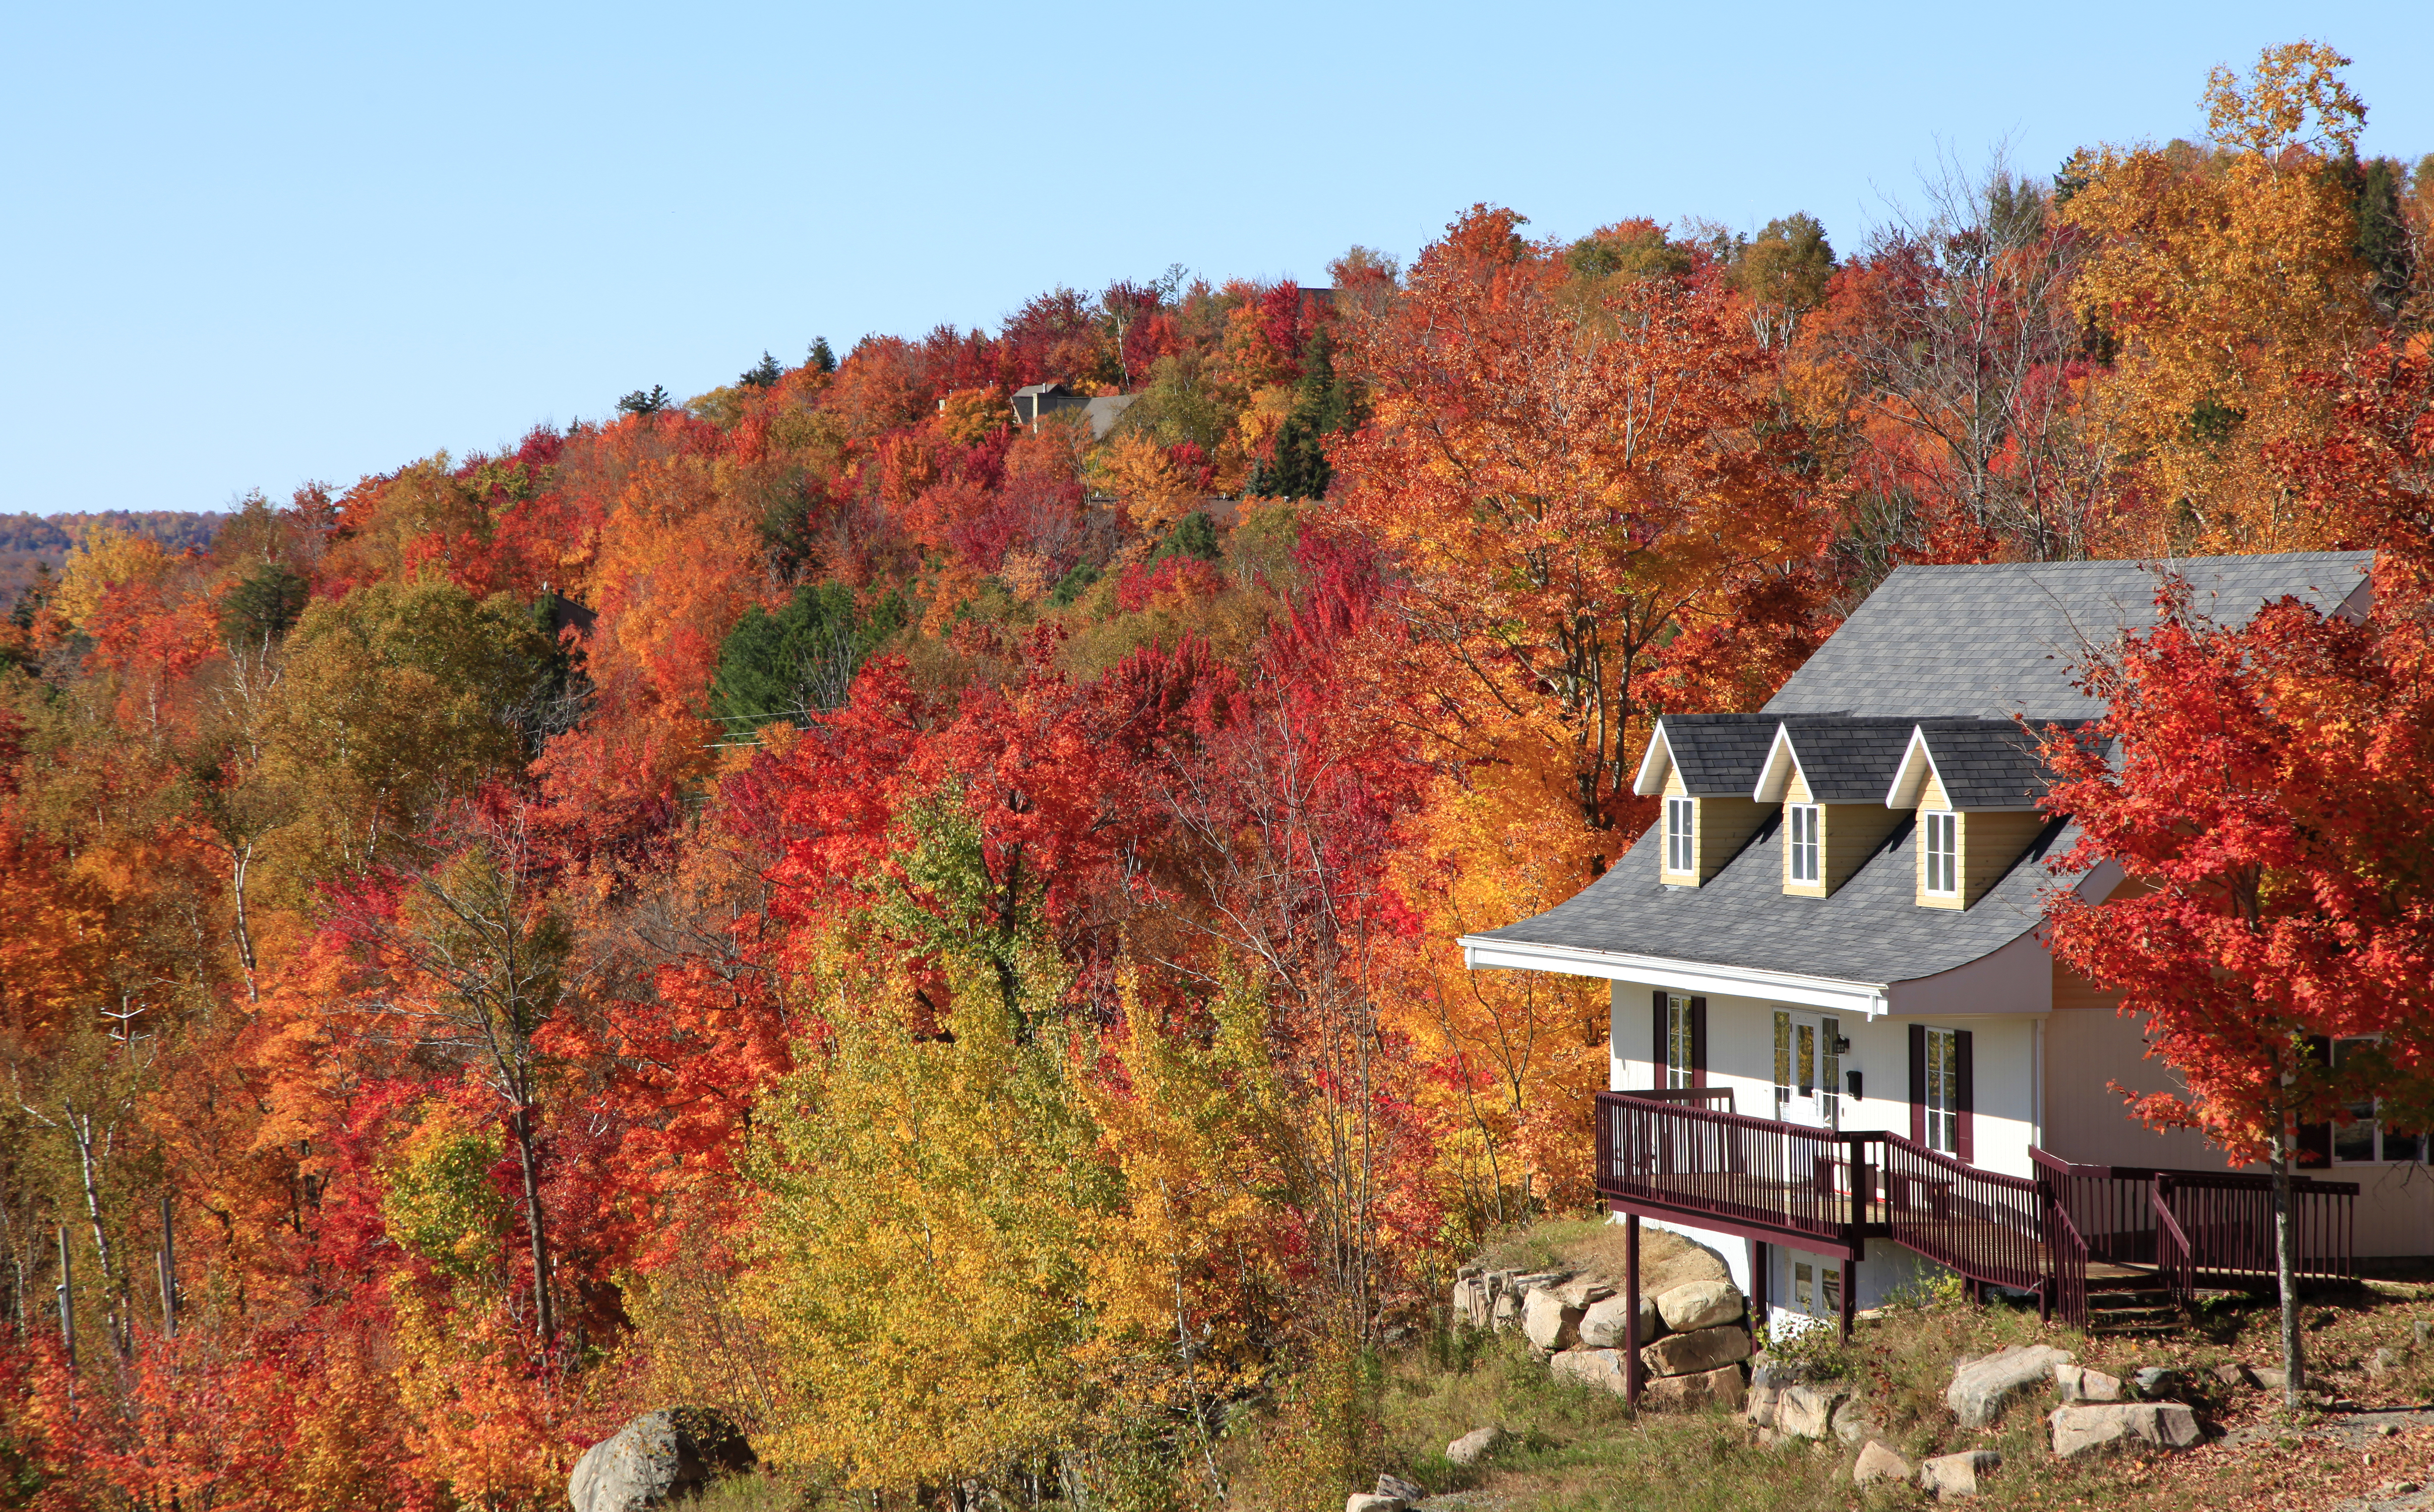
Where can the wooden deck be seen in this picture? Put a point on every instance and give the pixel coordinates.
(2066, 1231)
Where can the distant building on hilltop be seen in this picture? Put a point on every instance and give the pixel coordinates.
(1033, 400)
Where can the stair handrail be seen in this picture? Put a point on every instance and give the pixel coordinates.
(2173, 1260)
(2067, 1254)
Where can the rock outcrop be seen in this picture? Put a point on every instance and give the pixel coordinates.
(2129, 1427)
(1806, 1411)
(2074, 1382)
(1699, 1304)
(657, 1459)
(1958, 1474)
(1475, 1445)
(1602, 1326)
(1720, 1387)
(1693, 1354)
(1878, 1462)
(1982, 1388)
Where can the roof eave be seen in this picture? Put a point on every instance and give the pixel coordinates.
(1488, 952)
(1649, 780)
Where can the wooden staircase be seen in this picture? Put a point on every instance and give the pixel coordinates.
(2126, 1308)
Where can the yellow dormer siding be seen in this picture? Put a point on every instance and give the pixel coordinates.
(1847, 835)
(1988, 843)
(1719, 827)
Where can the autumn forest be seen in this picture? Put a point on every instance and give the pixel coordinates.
(922, 915)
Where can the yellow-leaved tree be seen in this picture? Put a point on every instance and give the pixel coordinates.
(2224, 274)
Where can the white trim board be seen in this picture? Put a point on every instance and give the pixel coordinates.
(1867, 1000)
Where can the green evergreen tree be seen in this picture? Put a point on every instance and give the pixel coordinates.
(1322, 407)
(642, 402)
(263, 605)
(2382, 230)
(1193, 536)
(800, 661)
(762, 373)
(822, 357)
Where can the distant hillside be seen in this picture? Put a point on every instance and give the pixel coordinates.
(28, 541)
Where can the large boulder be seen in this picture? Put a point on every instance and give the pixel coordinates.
(1720, 1387)
(1982, 1388)
(1806, 1411)
(1363, 1502)
(1699, 1304)
(1958, 1474)
(657, 1459)
(1397, 1489)
(1877, 1462)
(1475, 1445)
(2075, 1383)
(1471, 1297)
(1548, 1322)
(2130, 1427)
(1692, 1354)
(1852, 1424)
(1583, 1290)
(1591, 1368)
(1601, 1324)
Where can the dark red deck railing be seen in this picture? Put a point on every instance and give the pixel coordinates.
(1987, 1226)
(2067, 1290)
(2172, 1260)
(2225, 1218)
(1664, 1153)
(1731, 1171)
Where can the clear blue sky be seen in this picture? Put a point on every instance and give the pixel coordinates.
(250, 245)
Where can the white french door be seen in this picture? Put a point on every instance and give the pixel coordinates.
(1808, 1068)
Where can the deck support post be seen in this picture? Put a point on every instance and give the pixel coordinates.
(1850, 1286)
(1759, 1266)
(1631, 1310)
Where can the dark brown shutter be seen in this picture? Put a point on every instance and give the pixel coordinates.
(2316, 1140)
(1698, 1041)
(1918, 1083)
(1662, 1079)
(1965, 1101)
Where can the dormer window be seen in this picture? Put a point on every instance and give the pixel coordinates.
(1942, 855)
(1681, 837)
(1805, 826)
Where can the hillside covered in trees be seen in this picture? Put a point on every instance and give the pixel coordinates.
(933, 932)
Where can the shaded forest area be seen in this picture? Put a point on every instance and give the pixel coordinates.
(935, 934)
(34, 546)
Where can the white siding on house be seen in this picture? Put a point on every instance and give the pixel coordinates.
(2088, 1044)
(1740, 1055)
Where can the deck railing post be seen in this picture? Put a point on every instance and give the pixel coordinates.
(1863, 1181)
(1631, 1311)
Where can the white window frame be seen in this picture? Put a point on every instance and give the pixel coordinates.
(1943, 1083)
(1681, 836)
(1804, 826)
(1943, 852)
(2381, 1143)
(1677, 1070)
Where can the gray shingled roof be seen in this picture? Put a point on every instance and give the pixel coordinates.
(1719, 755)
(1998, 641)
(1871, 929)
(1947, 646)
(1849, 761)
(1988, 763)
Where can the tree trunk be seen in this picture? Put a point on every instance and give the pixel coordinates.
(2286, 1272)
(530, 1160)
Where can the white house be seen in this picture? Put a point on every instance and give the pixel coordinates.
(1841, 1052)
